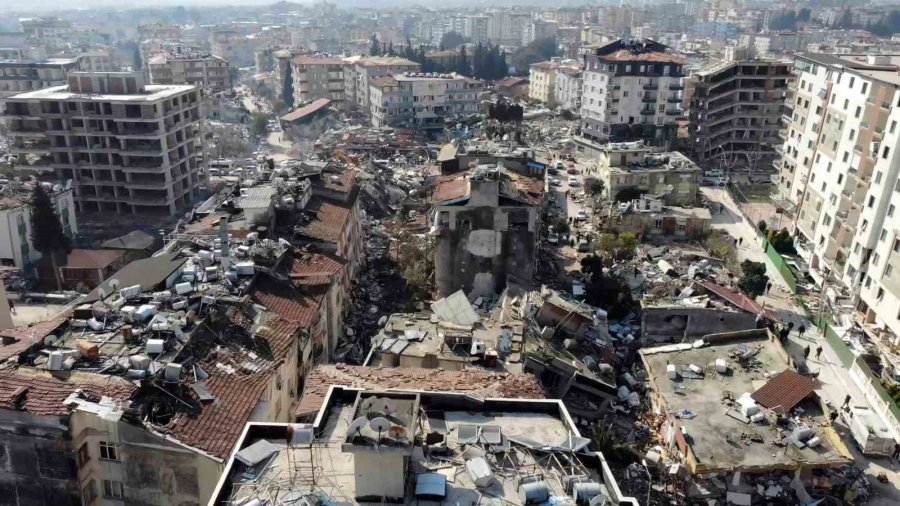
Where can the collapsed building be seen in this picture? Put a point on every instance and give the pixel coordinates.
(635, 167)
(485, 228)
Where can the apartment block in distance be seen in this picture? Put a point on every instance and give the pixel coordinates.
(840, 168)
(736, 111)
(423, 101)
(189, 67)
(130, 148)
(632, 90)
(360, 72)
(18, 76)
(316, 78)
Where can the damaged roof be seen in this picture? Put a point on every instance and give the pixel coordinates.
(330, 220)
(42, 393)
(474, 383)
(451, 187)
(785, 390)
(739, 300)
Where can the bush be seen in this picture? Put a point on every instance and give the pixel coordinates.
(762, 226)
(561, 226)
(753, 280)
(783, 242)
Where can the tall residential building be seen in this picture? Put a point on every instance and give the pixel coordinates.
(18, 76)
(52, 32)
(632, 90)
(316, 78)
(542, 78)
(840, 167)
(130, 148)
(360, 72)
(568, 88)
(476, 27)
(189, 67)
(423, 101)
(736, 111)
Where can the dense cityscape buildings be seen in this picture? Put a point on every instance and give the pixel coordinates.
(599, 253)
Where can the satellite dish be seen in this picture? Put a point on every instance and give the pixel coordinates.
(368, 403)
(387, 407)
(382, 321)
(49, 340)
(113, 284)
(380, 425)
(356, 426)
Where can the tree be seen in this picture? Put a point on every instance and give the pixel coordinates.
(753, 279)
(462, 64)
(47, 234)
(390, 50)
(627, 194)
(374, 46)
(762, 226)
(137, 61)
(535, 51)
(846, 21)
(596, 187)
(604, 290)
(287, 87)
(452, 40)
(259, 126)
(782, 242)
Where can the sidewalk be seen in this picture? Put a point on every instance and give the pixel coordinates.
(835, 379)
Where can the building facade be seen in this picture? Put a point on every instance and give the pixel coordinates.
(315, 78)
(16, 246)
(423, 101)
(634, 167)
(128, 147)
(360, 72)
(542, 81)
(632, 90)
(569, 85)
(203, 70)
(839, 168)
(736, 111)
(24, 75)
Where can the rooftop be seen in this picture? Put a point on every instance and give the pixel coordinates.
(709, 396)
(377, 61)
(452, 188)
(92, 258)
(153, 92)
(314, 107)
(478, 449)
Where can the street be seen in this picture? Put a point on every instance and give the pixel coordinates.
(835, 380)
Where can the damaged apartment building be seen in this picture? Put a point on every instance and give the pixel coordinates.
(630, 169)
(485, 227)
(145, 384)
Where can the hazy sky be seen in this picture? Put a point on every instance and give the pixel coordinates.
(45, 5)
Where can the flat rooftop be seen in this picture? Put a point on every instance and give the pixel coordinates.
(717, 440)
(153, 92)
(517, 438)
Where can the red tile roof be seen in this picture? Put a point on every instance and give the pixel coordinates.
(301, 306)
(328, 223)
(342, 182)
(475, 383)
(315, 268)
(26, 336)
(649, 56)
(785, 390)
(93, 258)
(738, 299)
(42, 393)
(451, 187)
(314, 107)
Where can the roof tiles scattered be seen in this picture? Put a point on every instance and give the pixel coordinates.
(43, 393)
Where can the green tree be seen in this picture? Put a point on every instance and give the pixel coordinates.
(374, 46)
(462, 64)
(535, 51)
(596, 187)
(783, 242)
(753, 278)
(138, 62)
(47, 234)
(259, 125)
(451, 40)
(287, 87)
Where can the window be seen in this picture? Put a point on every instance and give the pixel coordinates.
(858, 111)
(880, 293)
(885, 152)
(824, 187)
(888, 270)
(657, 223)
(109, 451)
(865, 87)
(878, 177)
(840, 178)
(84, 455)
(875, 258)
(113, 489)
(846, 156)
(89, 493)
(856, 248)
(890, 211)
(833, 96)
(871, 201)
(852, 134)
(852, 80)
(893, 126)
(883, 235)
(868, 281)
(865, 225)
(846, 103)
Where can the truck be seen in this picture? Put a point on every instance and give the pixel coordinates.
(870, 433)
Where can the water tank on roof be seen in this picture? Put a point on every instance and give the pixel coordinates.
(535, 492)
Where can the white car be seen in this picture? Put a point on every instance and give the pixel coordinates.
(573, 181)
(554, 181)
(580, 215)
(553, 238)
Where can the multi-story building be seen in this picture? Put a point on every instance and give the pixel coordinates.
(96, 60)
(18, 76)
(840, 168)
(51, 32)
(569, 87)
(16, 247)
(423, 101)
(476, 27)
(199, 69)
(159, 31)
(736, 111)
(238, 49)
(360, 71)
(542, 81)
(315, 78)
(630, 90)
(635, 168)
(130, 148)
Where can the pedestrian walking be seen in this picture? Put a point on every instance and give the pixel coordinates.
(833, 416)
(768, 287)
(896, 454)
(846, 401)
(790, 326)
(12, 306)
(806, 352)
(740, 241)
(783, 334)
(801, 330)
(818, 351)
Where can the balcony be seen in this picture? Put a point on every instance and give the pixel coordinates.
(676, 87)
(649, 100)
(651, 86)
(648, 112)
(675, 100)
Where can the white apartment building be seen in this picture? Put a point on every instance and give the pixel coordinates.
(477, 27)
(840, 168)
(569, 87)
(16, 248)
(52, 32)
(360, 71)
(315, 78)
(542, 81)
(630, 90)
(18, 76)
(130, 148)
(204, 70)
(423, 101)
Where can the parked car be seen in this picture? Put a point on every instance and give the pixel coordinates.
(580, 215)
(584, 247)
(554, 181)
(572, 170)
(551, 170)
(553, 238)
(573, 181)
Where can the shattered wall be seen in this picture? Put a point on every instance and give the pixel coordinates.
(481, 247)
(668, 324)
(37, 466)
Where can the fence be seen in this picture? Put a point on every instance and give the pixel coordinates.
(780, 265)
